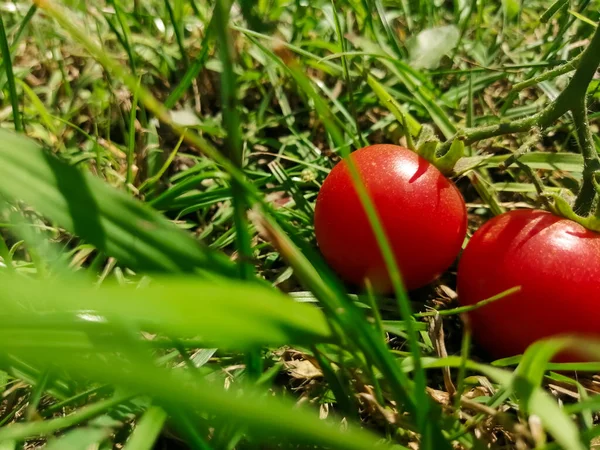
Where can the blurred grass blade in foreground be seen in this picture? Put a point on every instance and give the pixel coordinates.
(109, 219)
(234, 314)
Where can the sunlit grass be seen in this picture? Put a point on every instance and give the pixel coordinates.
(159, 163)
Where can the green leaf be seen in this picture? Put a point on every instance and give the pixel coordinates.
(109, 219)
(234, 315)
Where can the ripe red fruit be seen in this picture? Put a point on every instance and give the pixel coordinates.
(557, 264)
(422, 212)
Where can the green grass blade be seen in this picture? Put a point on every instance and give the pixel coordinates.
(125, 34)
(38, 105)
(178, 29)
(110, 220)
(12, 90)
(21, 431)
(132, 136)
(394, 107)
(80, 438)
(193, 70)
(569, 162)
(147, 430)
(234, 314)
(231, 118)
(264, 416)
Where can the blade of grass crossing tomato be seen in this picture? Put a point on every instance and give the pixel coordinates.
(382, 241)
(345, 313)
(327, 288)
(109, 219)
(147, 430)
(10, 76)
(327, 117)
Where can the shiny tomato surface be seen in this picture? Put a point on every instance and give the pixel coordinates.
(557, 264)
(422, 212)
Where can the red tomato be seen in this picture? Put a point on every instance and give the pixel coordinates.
(422, 212)
(557, 264)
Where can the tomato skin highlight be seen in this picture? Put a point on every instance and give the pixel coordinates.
(422, 212)
(556, 262)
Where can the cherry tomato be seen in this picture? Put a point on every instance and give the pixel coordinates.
(422, 212)
(557, 264)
